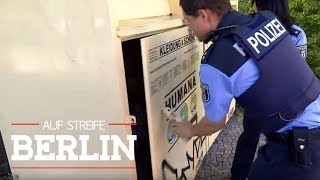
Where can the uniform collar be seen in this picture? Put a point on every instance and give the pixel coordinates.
(233, 18)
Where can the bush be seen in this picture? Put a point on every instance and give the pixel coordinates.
(305, 14)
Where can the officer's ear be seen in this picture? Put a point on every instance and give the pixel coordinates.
(202, 13)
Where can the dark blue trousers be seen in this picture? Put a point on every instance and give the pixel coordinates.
(273, 163)
(245, 150)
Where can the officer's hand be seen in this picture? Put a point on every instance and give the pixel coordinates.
(182, 129)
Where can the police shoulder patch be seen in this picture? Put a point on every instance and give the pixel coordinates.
(205, 92)
(303, 50)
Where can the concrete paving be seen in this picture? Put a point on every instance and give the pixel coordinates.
(217, 163)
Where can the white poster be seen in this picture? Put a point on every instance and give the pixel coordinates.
(171, 70)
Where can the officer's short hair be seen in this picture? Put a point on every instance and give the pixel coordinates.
(191, 7)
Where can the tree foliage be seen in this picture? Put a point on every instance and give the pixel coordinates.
(306, 14)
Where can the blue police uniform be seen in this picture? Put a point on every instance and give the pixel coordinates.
(300, 39)
(234, 67)
(249, 139)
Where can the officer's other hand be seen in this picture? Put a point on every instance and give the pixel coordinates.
(182, 129)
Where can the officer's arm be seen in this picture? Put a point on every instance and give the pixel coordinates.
(206, 127)
(216, 95)
(301, 43)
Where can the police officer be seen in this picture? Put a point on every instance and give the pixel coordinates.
(249, 139)
(253, 59)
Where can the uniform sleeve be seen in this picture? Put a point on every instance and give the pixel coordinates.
(301, 43)
(216, 92)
